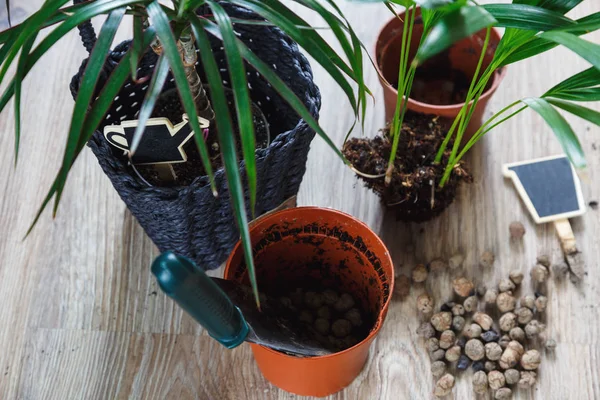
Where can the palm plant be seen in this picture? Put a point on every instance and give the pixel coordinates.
(175, 31)
(533, 27)
(462, 22)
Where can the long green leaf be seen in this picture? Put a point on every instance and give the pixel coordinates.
(96, 114)
(169, 45)
(583, 80)
(587, 50)
(275, 12)
(241, 94)
(356, 60)
(86, 91)
(587, 24)
(534, 47)
(55, 18)
(227, 141)
(33, 58)
(19, 74)
(7, 95)
(136, 45)
(279, 85)
(181, 7)
(582, 112)
(522, 16)
(161, 71)
(562, 130)
(561, 6)
(451, 28)
(512, 40)
(538, 45)
(45, 202)
(31, 26)
(84, 13)
(355, 55)
(352, 49)
(109, 91)
(7, 46)
(403, 3)
(283, 17)
(589, 94)
(429, 4)
(432, 4)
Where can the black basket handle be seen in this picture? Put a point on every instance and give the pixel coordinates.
(86, 31)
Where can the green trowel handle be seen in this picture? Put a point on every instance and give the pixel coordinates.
(197, 294)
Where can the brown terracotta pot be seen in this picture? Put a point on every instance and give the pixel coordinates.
(462, 56)
(349, 256)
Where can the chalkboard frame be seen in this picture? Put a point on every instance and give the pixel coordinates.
(508, 173)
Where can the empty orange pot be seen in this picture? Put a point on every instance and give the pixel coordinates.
(331, 248)
(463, 56)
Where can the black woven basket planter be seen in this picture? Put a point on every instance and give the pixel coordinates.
(190, 220)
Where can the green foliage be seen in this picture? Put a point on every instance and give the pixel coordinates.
(437, 17)
(563, 131)
(533, 27)
(456, 25)
(151, 21)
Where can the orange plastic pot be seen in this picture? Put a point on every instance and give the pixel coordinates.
(462, 56)
(349, 255)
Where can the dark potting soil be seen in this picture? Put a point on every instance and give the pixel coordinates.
(169, 106)
(414, 191)
(439, 86)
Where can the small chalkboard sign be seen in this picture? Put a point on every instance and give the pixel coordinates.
(551, 190)
(161, 143)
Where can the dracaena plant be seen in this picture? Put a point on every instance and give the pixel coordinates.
(175, 31)
(533, 27)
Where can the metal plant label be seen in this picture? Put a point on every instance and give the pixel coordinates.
(161, 143)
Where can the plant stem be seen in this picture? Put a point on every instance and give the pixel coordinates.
(471, 106)
(189, 56)
(466, 112)
(405, 79)
(479, 134)
(481, 84)
(390, 169)
(401, 73)
(442, 149)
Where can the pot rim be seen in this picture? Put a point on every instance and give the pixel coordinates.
(383, 310)
(499, 75)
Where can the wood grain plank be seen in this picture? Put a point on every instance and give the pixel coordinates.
(79, 288)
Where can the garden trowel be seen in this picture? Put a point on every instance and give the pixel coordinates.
(227, 310)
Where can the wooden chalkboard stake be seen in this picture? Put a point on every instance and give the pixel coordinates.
(566, 236)
(573, 257)
(569, 247)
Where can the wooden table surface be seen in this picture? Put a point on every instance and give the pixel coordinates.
(81, 317)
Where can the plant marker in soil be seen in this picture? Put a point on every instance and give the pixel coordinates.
(551, 190)
(160, 146)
